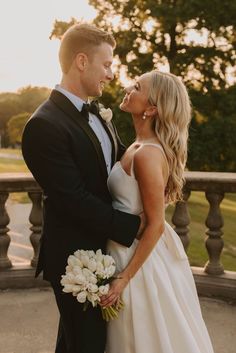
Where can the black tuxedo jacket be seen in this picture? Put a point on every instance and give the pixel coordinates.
(66, 159)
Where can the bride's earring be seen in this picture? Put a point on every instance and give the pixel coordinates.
(144, 116)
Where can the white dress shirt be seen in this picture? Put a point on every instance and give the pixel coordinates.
(95, 124)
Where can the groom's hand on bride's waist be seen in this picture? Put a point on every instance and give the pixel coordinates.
(142, 225)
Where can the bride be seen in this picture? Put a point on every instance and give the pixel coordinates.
(162, 312)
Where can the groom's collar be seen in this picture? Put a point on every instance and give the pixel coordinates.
(77, 101)
(65, 104)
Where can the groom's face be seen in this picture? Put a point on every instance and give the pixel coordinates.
(98, 70)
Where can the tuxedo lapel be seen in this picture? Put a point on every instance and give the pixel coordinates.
(70, 110)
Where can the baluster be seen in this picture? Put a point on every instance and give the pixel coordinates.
(181, 219)
(214, 243)
(35, 219)
(4, 237)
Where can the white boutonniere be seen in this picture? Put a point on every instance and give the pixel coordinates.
(106, 114)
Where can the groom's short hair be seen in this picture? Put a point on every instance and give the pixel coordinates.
(81, 38)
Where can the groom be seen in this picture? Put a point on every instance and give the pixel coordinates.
(70, 150)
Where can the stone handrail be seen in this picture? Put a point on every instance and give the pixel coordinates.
(215, 185)
(211, 280)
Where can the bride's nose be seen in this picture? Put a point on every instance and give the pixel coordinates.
(128, 89)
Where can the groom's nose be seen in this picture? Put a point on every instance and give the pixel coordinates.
(110, 74)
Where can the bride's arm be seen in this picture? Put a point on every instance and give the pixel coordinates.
(151, 173)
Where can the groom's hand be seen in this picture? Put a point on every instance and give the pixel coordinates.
(142, 225)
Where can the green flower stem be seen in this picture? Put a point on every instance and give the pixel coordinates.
(86, 304)
(111, 312)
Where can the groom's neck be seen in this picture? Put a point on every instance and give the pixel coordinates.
(74, 86)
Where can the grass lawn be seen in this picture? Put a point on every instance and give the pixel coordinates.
(12, 166)
(198, 209)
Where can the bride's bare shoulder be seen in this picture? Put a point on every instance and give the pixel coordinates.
(147, 153)
(150, 161)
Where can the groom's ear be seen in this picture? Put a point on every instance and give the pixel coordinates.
(151, 111)
(81, 60)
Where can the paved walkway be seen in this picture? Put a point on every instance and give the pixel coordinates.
(28, 322)
(10, 155)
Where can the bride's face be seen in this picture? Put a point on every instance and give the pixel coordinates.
(135, 100)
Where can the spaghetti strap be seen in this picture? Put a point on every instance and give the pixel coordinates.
(132, 168)
(155, 145)
(150, 144)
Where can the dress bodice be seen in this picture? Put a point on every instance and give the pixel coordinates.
(124, 188)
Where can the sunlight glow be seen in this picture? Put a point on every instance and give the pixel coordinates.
(28, 56)
(194, 36)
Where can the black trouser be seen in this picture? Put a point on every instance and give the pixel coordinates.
(79, 331)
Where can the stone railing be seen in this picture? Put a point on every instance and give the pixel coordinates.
(14, 275)
(212, 280)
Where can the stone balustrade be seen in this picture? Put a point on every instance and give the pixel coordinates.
(212, 280)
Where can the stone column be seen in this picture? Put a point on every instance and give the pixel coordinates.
(214, 242)
(4, 237)
(181, 219)
(35, 219)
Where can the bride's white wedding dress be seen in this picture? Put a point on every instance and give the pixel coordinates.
(162, 312)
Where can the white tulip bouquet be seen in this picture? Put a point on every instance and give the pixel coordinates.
(87, 277)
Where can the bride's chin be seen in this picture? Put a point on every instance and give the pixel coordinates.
(122, 107)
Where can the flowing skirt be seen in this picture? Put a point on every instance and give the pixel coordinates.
(162, 313)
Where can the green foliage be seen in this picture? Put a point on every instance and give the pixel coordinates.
(151, 33)
(9, 106)
(27, 99)
(31, 97)
(194, 42)
(15, 127)
(212, 144)
(60, 27)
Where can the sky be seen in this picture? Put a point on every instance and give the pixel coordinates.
(27, 55)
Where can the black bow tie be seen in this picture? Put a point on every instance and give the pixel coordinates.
(90, 107)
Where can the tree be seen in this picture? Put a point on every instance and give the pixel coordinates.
(59, 28)
(194, 42)
(27, 99)
(9, 106)
(31, 97)
(15, 128)
(212, 144)
(153, 33)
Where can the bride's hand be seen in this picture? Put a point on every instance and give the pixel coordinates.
(116, 288)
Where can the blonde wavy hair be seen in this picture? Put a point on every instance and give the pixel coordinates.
(170, 96)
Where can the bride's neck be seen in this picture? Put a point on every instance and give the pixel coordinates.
(143, 130)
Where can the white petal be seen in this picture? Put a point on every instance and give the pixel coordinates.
(81, 297)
